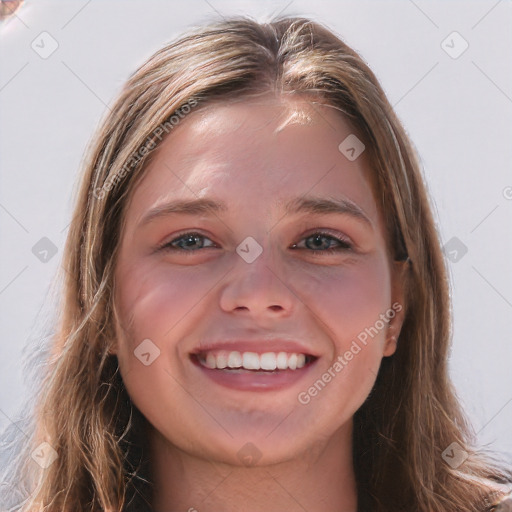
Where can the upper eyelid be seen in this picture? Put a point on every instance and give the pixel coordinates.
(327, 232)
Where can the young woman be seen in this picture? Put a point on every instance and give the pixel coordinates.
(256, 311)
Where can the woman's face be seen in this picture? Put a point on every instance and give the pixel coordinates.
(246, 284)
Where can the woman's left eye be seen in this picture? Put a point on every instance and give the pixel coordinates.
(189, 242)
(316, 238)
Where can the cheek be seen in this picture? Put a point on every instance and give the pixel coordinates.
(153, 304)
(158, 299)
(348, 299)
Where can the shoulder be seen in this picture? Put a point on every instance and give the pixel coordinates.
(504, 505)
(501, 498)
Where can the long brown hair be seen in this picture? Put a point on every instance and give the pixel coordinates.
(412, 414)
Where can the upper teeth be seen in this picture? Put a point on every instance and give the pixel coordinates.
(253, 361)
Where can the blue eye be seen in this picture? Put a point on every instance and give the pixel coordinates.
(317, 237)
(191, 242)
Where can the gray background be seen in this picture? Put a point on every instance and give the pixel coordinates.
(458, 112)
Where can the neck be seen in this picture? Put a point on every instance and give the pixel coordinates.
(320, 479)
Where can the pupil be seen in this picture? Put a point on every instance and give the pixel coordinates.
(317, 240)
(191, 240)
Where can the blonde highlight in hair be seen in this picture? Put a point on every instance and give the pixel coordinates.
(411, 415)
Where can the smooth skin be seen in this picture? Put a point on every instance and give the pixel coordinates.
(254, 155)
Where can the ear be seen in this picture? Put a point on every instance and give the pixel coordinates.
(399, 277)
(112, 351)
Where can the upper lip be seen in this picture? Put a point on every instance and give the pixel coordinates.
(259, 346)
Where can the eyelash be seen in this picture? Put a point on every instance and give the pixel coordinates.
(345, 245)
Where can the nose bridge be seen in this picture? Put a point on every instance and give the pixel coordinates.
(257, 284)
(262, 269)
(259, 265)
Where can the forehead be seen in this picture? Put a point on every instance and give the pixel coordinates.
(256, 151)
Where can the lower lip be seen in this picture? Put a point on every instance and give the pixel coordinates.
(255, 380)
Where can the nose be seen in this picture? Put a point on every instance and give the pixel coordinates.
(259, 288)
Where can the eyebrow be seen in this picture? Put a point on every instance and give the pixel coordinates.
(311, 205)
(320, 205)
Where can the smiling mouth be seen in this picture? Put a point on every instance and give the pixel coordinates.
(242, 362)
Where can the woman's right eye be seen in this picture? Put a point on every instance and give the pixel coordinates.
(185, 242)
